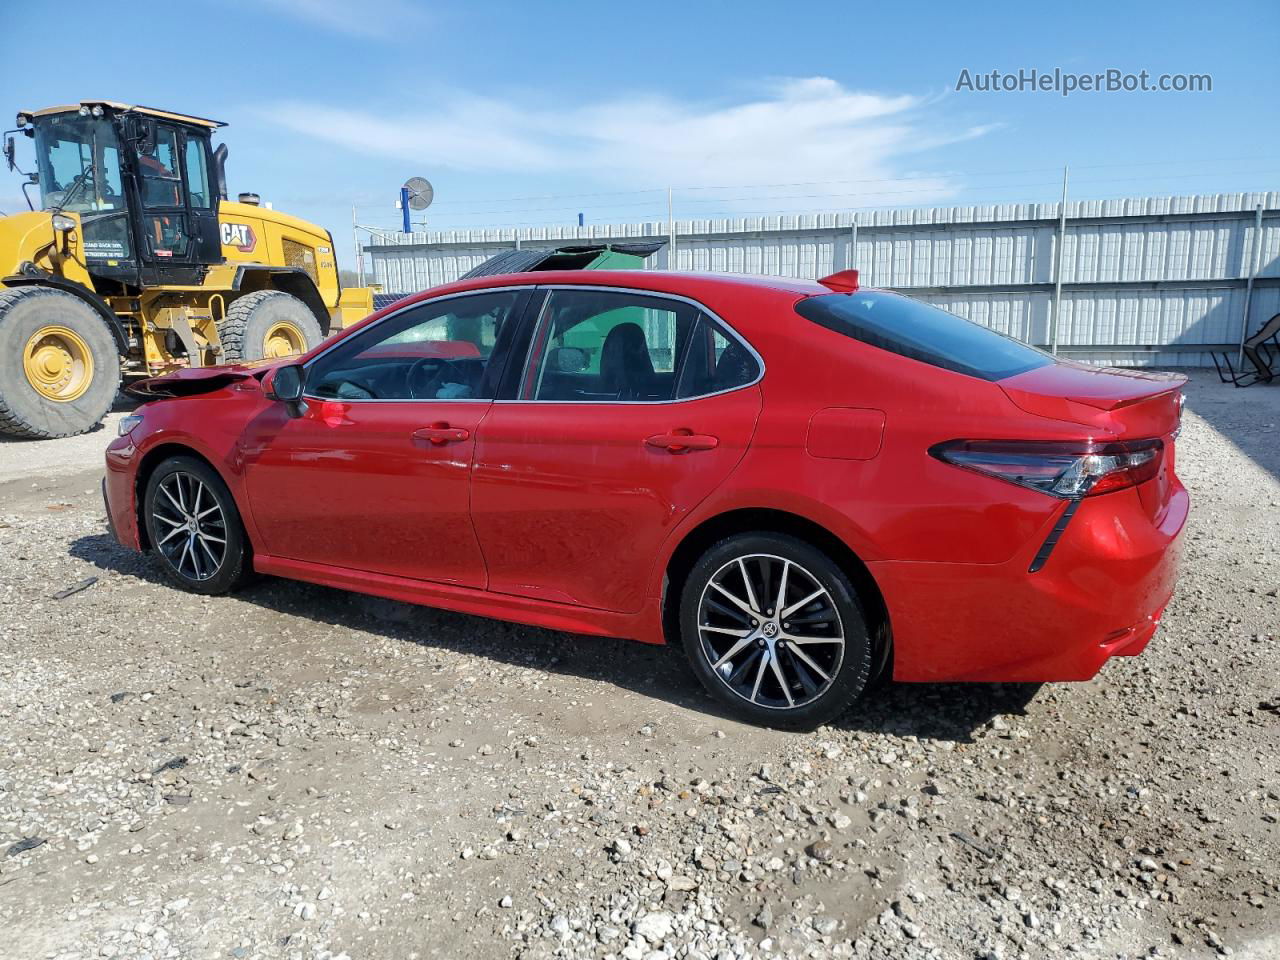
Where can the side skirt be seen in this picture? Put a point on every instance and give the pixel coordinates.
(644, 626)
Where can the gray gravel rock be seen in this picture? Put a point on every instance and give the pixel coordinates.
(292, 772)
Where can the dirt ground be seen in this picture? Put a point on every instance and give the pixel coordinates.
(297, 772)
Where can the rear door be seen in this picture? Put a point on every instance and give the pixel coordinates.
(630, 409)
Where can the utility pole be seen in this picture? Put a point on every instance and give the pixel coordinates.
(1056, 320)
(355, 238)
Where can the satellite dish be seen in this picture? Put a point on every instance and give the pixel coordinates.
(421, 193)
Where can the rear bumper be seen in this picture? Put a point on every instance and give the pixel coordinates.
(1100, 594)
(118, 489)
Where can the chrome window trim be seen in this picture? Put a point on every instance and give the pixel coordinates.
(726, 327)
(395, 313)
(551, 288)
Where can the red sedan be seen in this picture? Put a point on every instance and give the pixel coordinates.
(804, 484)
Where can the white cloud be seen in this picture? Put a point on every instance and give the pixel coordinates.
(798, 131)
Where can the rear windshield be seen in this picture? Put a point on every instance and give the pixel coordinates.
(917, 330)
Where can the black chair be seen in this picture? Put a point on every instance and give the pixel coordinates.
(1261, 350)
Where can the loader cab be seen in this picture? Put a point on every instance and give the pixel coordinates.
(145, 185)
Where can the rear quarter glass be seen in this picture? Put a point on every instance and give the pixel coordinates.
(922, 332)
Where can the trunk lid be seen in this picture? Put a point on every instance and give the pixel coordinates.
(1127, 401)
(1114, 404)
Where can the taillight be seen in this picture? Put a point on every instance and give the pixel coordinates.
(1069, 470)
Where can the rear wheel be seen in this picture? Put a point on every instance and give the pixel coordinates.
(268, 324)
(773, 629)
(59, 368)
(194, 527)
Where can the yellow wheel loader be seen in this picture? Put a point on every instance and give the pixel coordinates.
(134, 263)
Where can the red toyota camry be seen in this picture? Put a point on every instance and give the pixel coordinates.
(802, 483)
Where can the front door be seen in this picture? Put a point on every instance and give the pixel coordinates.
(374, 475)
(631, 410)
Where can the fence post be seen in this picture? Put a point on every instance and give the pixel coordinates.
(671, 232)
(1255, 255)
(1056, 318)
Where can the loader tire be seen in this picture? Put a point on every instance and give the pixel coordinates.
(59, 367)
(268, 324)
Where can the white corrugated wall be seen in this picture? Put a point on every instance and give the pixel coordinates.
(1143, 272)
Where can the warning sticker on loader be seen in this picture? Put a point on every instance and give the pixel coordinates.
(104, 249)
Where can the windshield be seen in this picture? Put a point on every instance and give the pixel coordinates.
(922, 332)
(78, 159)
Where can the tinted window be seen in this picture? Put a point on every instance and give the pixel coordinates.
(79, 163)
(197, 174)
(923, 332)
(715, 362)
(435, 351)
(158, 165)
(167, 235)
(599, 346)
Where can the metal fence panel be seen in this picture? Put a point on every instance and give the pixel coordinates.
(1139, 274)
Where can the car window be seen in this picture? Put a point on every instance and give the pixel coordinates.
(435, 351)
(923, 332)
(715, 362)
(600, 346)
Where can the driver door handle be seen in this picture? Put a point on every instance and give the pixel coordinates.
(680, 440)
(441, 433)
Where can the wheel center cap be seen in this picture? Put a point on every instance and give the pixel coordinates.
(770, 629)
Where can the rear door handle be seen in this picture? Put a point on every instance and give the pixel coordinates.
(679, 440)
(441, 433)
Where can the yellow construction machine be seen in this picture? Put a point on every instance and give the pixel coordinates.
(134, 263)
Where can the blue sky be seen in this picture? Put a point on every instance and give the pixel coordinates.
(526, 114)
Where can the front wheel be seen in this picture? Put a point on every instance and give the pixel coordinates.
(194, 527)
(773, 629)
(59, 369)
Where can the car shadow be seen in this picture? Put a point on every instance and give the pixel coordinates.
(1248, 418)
(953, 712)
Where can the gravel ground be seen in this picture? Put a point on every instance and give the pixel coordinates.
(302, 773)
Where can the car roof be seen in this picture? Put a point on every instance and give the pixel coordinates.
(717, 291)
(659, 281)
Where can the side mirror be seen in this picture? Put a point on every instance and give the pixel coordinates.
(143, 134)
(9, 149)
(287, 383)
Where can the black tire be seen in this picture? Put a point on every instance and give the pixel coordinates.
(24, 410)
(808, 699)
(171, 490)
(243, 331)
